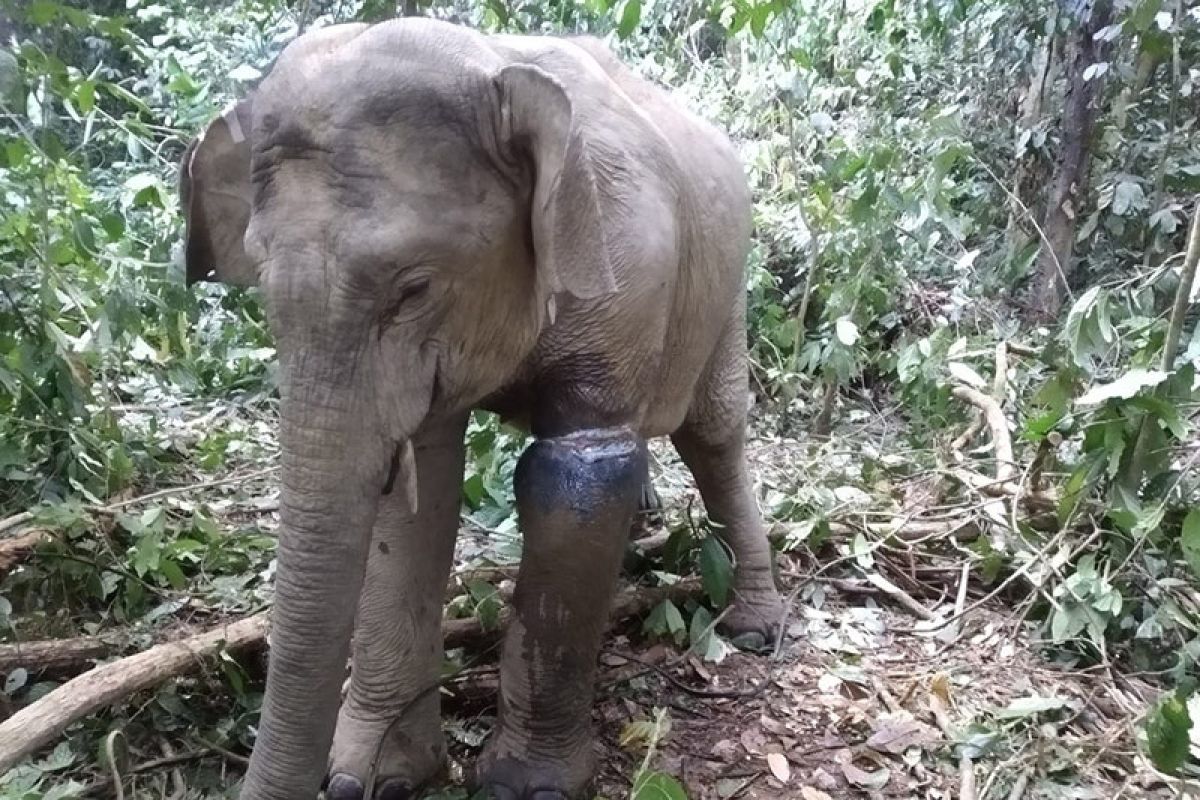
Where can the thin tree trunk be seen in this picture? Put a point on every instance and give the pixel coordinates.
(1031, 113)
(1055, 264)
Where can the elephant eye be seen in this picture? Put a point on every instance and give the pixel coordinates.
(412, 291)
(406, 305)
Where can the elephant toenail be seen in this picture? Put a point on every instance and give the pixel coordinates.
(394, 790)
(750, 642)
(344, 787)
(497, 792)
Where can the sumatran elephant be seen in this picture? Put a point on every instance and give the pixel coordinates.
(440, 221)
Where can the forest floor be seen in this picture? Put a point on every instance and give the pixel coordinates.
(886, 684)
(864, 699)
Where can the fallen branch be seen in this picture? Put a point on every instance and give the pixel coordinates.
(966, 767)
(44, 720)
(997, 424)
(15, 550)
(58, 656)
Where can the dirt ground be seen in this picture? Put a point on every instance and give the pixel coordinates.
(852, 704)
(863, 699)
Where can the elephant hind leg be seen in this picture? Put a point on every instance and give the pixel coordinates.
(389, 733)
(711, 443)
(576, 495)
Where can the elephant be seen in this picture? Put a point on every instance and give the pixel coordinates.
(438, 221)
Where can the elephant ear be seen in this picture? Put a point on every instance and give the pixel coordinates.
(215, 192)
(571, 236)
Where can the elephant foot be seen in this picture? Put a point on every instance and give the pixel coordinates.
(503, 774)
(343, 786)
(754, 618)
(404, 757)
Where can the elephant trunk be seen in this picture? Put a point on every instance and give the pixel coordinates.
(333, 473)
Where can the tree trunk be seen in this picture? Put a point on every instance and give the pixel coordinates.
(1055, 266)
(1041, 72)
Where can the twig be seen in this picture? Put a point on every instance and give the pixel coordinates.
(900, 596)
(105, 785)
(111, 508)
(966, 768)
(15, 520)
(194, 487)
(1022, 781)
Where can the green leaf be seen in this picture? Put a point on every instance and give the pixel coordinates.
(631, 15)
(1167, 733)
(665, 621)
(657, 786)
(1189, 540)
(1143, 15)
(716, 571)
(1127, 197)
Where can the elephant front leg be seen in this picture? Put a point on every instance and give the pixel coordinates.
(576, 496)
(389, 739)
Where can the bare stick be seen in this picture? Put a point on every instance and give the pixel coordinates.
(15, 520)
(998, 426)
(111, 508)
(966, 768)
(900, 596)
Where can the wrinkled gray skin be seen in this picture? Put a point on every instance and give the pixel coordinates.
(441, 221)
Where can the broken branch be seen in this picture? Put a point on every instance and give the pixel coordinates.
(42, 721)
(997, 424)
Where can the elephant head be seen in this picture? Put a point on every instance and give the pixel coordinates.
(409, 199)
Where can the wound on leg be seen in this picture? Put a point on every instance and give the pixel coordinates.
(588, 473)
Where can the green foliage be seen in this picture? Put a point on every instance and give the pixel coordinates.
(885, 143)
(1167, 730)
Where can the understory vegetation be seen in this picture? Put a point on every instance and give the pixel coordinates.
(974, 327)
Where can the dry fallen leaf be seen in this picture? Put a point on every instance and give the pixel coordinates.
(897, 734)
(809, 793)
(868, 780)
(779, 766)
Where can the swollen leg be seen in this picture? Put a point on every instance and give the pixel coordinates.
(576, 496)
(389, 729)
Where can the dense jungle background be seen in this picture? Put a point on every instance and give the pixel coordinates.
(975, 338)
